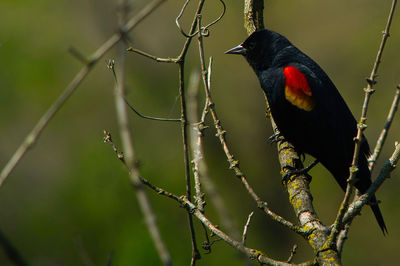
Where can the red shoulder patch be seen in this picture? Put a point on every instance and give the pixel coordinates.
(297, 90)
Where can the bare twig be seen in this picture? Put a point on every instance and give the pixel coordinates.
(129, 156)
(32, 137)
(108, 139)
(385, 130)
(179, 17)
(11, 252)
(338, 225)
(78, 55)
(246, 227)
(292, 253)
(195, 138)
(151, 117)
(192, 208)
(180, 61)
(342, 238)
(355, 208)
(184, 124)
(158, 59)
(203, 30)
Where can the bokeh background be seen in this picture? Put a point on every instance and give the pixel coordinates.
(70, 202)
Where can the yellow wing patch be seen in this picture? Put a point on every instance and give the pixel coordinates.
(298, 98)
(297, 91)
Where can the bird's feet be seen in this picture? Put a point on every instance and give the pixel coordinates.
(293, 171)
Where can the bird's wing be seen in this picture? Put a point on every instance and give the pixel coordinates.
(328, 105)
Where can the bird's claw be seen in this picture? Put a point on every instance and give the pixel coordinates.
(294, 171)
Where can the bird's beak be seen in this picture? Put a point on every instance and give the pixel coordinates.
(237, 50)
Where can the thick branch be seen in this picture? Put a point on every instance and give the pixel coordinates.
(253, 15)
(298, 185)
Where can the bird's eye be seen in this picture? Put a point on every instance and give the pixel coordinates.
(251, 45)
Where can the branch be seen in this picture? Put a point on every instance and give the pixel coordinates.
(195, 139)
(11, 252)
(200, 169)
(155, 58)
(338, 225)
(129, 154)
(32, 137)
(181, 64)
(246, 227)
(253, 15)
(385, 130)
(355, 208)
(192, 208)
(233, 163)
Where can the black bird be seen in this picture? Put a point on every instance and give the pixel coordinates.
(307, 108)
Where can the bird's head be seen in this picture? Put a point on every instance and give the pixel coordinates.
(260, 48)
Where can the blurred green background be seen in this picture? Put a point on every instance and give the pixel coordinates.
(70, 202)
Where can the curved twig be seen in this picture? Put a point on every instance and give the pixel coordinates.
(204, 30)
(151, 117)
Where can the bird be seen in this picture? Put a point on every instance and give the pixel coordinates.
(308, 109)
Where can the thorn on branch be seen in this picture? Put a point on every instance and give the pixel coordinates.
(386, 33)
(370, 81)
(220, 133)
(361, 126)
(233, 163)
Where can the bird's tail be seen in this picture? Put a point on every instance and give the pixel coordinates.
(378, 215)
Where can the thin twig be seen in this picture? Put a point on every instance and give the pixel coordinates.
(129, 154)
(158, 59)
(180, 61)
(192, 208)
(11, 251)
(203, 30)
(209, 185)
(292, 253)
(385, 130)
(151, 117)
(338, 225)
(246, 227)
(178, 18)
(32, 137)
(195, 138)
(184, 124)
(342, 238)
(355, 208)
(78, 55)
